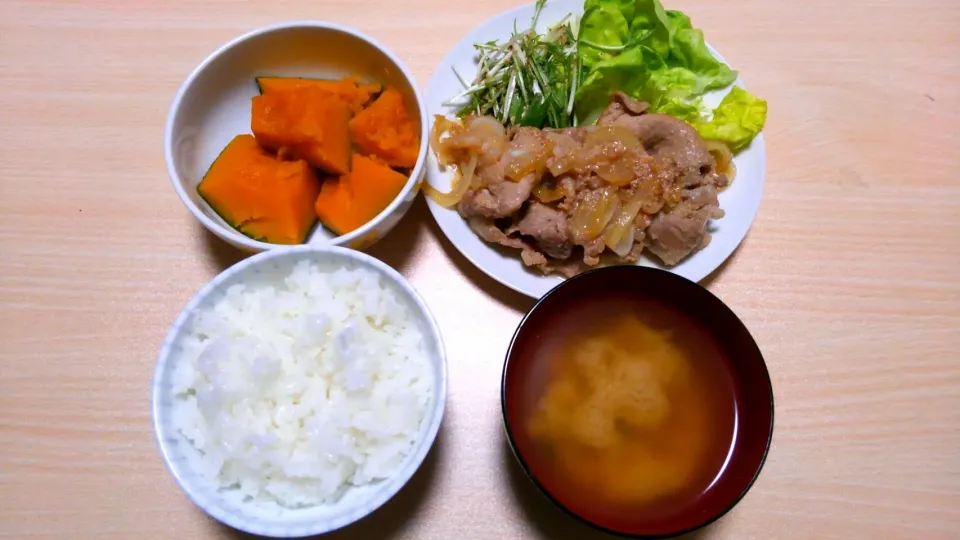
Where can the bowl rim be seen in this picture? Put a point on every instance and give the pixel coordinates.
(526, 468)
(231, 235)
(239, 520)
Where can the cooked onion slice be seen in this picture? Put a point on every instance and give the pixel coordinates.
(592, 214)
(490, 134)
(616, 139)
(461, 183)
(617, 173)
(521, 162)
(545, 193)
(443, 129)
(621, 227)
(622, 248)
(724, 159)
(528, 159)
(563, 155)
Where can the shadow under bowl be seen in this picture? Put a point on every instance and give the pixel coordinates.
(753, 431)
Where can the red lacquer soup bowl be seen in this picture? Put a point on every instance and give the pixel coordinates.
(631, 439)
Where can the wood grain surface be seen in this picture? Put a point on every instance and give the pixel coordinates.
(849, 279)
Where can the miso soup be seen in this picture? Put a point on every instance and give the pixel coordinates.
(628, 409)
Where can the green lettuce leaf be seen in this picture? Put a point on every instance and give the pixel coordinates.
(653, 54)
(607, 76)
(689, 50)
(736, 121)
(605, 24)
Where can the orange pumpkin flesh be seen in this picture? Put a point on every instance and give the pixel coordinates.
(348, 202)
(385, 130)
(309, 123)
(354, 93)
(259, 195)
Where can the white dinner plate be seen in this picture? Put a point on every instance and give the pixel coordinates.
(740, 201)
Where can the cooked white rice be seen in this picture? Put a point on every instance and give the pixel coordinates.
(291, 394)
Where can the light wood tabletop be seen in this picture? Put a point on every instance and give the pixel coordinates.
(849, 278)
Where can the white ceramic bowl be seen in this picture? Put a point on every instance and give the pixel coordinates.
(213, 106)
(357, 502)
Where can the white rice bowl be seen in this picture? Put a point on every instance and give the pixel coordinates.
(299, 388)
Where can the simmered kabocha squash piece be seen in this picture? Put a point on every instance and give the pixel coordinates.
(354, 93)
(308, 123)
(348, 202)
(385, 130)
(261, 196)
